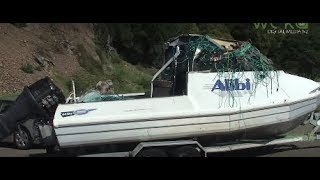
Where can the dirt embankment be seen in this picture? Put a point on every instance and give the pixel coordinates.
(46, 49)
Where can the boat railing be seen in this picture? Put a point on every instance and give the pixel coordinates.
(163, 68)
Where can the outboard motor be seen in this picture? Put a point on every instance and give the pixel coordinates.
(39, 99)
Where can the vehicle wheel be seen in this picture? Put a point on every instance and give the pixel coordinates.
(22, 139)
(185, 151)
(152, 153)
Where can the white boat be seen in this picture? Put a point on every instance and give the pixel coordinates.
(192, 103)
(209, 106)
(265, 112)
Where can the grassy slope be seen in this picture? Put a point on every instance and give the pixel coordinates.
(126, 79)
(9, 96)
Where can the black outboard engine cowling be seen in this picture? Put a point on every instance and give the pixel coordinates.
(40, 99)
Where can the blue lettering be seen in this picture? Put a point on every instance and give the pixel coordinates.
(218, 85)
(227, 83)
(231, 84)
(248, 84)
(243, 86)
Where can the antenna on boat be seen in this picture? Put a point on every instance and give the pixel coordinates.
(74, 91)
(196, 55)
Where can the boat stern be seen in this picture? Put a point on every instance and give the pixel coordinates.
(319, 96)
(317, 92)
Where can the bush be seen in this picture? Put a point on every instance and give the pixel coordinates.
(39, 68)
(27, 68)
(20, 25)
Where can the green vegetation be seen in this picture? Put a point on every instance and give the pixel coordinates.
(126, 79)
(99, 65)
(130, 53)
(142, 46)
(62, 82)
(142, 43)
(10, 96)
(20, 25)
(39, 68)
(88, 61)
(27, 68)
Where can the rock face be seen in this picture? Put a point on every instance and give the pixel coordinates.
(47, 47)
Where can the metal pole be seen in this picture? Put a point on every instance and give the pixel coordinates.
(74, 91)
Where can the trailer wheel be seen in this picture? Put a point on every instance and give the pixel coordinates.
(185, 151)
(153, 152)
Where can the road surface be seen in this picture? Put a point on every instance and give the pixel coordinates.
(7, 150)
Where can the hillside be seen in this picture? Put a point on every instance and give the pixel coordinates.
(62, 52)
(293, 47)
(19, 48)
(130, 53)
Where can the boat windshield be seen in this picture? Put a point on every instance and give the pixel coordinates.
(97, 96)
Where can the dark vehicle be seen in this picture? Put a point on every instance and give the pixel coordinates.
(25, 135)
(21, 119)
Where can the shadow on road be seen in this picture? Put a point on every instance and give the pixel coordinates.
(44, 155)
(10, 145)
(260, 151)
(252, 152)
(6, 145)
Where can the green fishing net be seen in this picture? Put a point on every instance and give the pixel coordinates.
(206, 54)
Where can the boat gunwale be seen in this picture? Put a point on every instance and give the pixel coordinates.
(198, 114)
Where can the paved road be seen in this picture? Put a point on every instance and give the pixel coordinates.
(301, 149)
(7, 150)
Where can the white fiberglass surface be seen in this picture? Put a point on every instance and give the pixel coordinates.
(125, 110)
(297, 87)
(208, 93)
(212, 91)
(169, 128)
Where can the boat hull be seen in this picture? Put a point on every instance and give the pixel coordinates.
(256, 124)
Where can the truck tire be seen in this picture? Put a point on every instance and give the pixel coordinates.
(185, 151)
(153, 152)
(22, 138)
